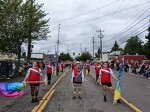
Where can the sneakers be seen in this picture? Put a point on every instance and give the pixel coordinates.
(36, 100)
(49, 83)
(74, 97)
(105, 99)
(118, 101)
(32, 101)
(80, 97)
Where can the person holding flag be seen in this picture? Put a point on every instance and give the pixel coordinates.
(33, 76)
(49, 72)
(105, 79)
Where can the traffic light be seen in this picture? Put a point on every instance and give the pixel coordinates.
(79, 54)
(73, 53)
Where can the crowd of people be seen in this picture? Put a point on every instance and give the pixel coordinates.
(103, 73)
(142, 69)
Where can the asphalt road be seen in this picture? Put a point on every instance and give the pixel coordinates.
(92, 99)
(134, 89)
(23, 103)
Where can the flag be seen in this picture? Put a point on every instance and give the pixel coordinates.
(11, 89)
(117, 94)
(55, 73)
(86, 72)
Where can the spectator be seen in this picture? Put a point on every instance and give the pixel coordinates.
(13, 68)
(7, 70)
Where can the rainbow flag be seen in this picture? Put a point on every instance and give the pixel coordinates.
(11, 89)
(117, 94)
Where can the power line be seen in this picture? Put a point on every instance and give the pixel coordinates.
(86, 12)
(131, 34)
(127, 29)
(103, 16)
(130, 37)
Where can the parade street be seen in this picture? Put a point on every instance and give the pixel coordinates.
(135, 89)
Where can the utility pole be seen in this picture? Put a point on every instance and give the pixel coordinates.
(85, 49)
(68, 49)
(100, 37)
(81, 47)
(58, 42)
(93, 46)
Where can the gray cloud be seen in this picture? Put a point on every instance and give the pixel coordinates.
(82, 33)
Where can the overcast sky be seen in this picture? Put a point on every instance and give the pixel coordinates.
(80, 19)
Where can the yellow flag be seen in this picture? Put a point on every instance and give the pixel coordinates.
(55, 73)
(86, 72)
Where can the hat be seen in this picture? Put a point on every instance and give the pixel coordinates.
(77, 62)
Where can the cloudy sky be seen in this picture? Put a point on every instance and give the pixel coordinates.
(80, 19)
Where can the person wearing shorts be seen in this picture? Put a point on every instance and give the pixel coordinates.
(105, 80)
(33, 76)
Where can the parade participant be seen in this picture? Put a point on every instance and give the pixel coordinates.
(33, 76)
(105, 79)
(62, 66)
(73, 64)
(87, 66)
(49, 72)
(97, 68)
(77, 79)
(57, 69)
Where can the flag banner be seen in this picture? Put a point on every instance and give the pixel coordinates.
(86, 72)
(117, 93)
(11, 89)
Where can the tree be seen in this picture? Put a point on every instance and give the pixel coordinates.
(20, 22)
(115, 47)
(12, 19)
(97, 55)
(37, 27)
(84, 56)
(147, 45)
(65, 57)
(133, 46)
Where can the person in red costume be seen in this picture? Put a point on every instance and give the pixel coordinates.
(77, 79)
(73, 64)
(97, 68)
(49, 72)
(33, 76)
(62, 66)
(105, 79)
(58, 68)
(87, 66)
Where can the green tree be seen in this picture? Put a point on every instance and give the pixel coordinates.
(65, 57)
(36, 24)
(97, 55)
(21, 22)
(115, 47)
(133, 46)
(84, 56)
(147, 45)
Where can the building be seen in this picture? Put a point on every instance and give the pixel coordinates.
(131, 59)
